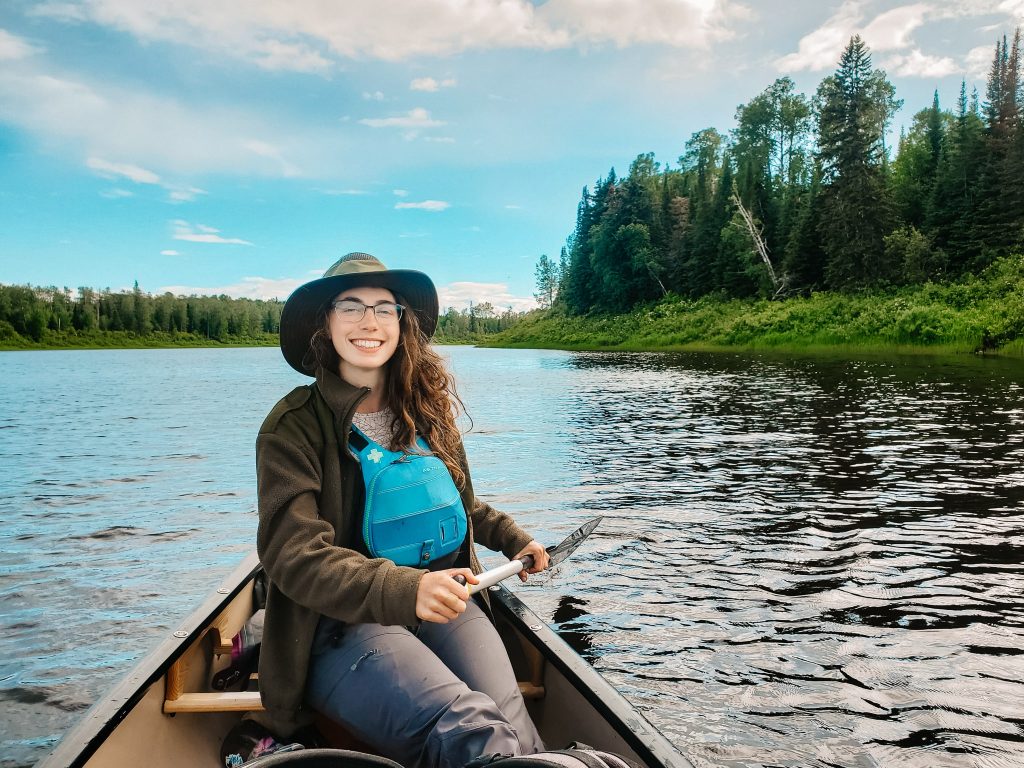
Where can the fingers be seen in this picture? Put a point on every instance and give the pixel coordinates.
(440, 598)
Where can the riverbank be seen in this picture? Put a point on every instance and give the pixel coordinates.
(72, 339)
(976, 315)
(55, 340)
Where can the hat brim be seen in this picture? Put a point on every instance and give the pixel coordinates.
(301, 315)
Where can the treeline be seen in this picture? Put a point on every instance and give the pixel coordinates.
(472, 324)
(32, 316)
(32, 313)
(803, 196)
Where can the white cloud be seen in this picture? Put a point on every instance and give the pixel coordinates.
(459, 295)
(185, 194)
(430, 85)
(440, 139)
(1013, 8)
(264, 149)
(917, 64)
(979, 60)
(110, 170)
(13, 48)
(426, 205)
(414, 118)
(820, 49)
(293, 57)
(400, 192)
(116, 193)
(890, 31)
(200, 233)
(677, 23)
(247, 288)
(154, 134)
(131, 172)
(375, 96)
(169, 253)
(307, 35)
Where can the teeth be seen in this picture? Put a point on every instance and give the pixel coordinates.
(366, 343)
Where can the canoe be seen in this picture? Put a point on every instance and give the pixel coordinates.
(164, 712)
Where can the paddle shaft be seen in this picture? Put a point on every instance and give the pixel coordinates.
(502, 572)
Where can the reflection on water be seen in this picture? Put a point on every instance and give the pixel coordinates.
(805, 562)
(575, 633)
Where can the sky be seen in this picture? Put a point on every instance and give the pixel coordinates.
(242, 146)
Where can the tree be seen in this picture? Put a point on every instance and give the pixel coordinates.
(999, 206)
(854, 107)
(953, 202)
(803, 262)
(916, 165)
(769, 147)
(547, 276)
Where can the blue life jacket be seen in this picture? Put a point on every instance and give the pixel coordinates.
(413, 513)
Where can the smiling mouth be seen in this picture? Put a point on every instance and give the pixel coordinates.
(366, 343)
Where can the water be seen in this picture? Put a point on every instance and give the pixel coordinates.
(803, 562)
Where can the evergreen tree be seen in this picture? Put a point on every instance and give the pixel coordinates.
(952, 206)
(999, 204)
(804, 260)
(579, 289)
(914, 170)
(701, 165)
(854, 107)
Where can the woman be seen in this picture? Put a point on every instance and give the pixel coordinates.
(398, 654)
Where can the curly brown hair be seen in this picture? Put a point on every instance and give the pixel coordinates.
(419, 390)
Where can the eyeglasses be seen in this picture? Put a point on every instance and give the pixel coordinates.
(352, 311)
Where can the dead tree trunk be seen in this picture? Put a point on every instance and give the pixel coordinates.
(757, 235)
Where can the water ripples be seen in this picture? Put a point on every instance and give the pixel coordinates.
(803, 562)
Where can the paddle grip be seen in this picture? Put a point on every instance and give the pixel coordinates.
(494, 575)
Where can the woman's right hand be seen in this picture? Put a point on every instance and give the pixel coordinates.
(440, 598)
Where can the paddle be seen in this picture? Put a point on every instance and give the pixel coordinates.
(556, 554)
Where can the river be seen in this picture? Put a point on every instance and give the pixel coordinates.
(804, 561)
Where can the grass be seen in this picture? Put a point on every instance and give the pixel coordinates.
(9, 340)
(983, 314)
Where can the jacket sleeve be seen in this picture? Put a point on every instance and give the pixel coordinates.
(296, 544)
(495, 530)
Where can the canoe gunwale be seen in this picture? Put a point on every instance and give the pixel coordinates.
(82, 741)
(85, 737)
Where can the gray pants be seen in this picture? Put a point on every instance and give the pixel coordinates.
(436, 697)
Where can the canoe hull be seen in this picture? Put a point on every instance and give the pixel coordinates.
(571, 702)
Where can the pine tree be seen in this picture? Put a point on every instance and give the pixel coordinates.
(953, 202)
(579, 282)
(854, 107)
(804, 260)
(999, 206)
(912, 174)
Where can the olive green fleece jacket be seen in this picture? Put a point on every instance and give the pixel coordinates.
(307, 481)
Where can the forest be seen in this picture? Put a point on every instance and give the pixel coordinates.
(33, 317)
(804, 196)
(801, 198)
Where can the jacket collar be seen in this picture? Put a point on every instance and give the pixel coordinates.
(340, 396)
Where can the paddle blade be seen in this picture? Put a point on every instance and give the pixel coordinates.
(561, 551)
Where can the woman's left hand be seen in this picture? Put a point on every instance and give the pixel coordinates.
(540, 558)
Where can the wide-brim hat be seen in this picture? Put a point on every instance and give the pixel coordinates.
(303, 313)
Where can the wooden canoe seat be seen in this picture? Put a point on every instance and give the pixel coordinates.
(187, 683)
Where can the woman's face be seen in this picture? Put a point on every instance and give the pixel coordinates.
(364, 345)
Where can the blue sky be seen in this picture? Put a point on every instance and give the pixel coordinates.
(241, 146)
